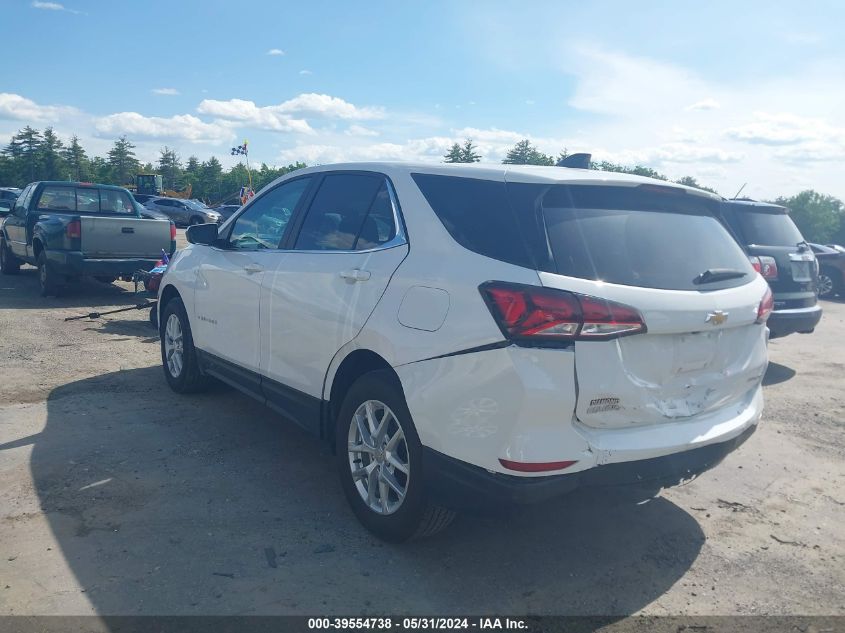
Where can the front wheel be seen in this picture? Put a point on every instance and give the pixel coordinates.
(9, 264)
(379, 460)
(178, 354)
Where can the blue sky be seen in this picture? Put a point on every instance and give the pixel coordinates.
(727, 92)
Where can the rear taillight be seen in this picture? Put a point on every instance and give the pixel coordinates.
(535, 315)
(172, 231)
(73, 230)
(767, 304)
(766, 266)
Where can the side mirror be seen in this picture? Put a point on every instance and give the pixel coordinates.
(202, 234)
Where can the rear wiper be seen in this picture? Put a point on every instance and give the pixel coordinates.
(718, 274)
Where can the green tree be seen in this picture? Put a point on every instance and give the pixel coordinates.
(170, 167)
(689, 181)
(123, 162)
(524, 153)
(24, 151)
(454, 154)
(50, 157)
(637, 170)
(818, 216)
(76, 160)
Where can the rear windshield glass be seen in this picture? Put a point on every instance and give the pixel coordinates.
(623, 235)
(769, 229)
(85, 200)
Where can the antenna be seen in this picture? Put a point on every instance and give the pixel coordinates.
(739, 192)
(578, 161)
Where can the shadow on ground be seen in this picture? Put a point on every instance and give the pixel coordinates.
(211, 504)
(777, 373)
(22, 291)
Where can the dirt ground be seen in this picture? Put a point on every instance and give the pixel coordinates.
(119, 497)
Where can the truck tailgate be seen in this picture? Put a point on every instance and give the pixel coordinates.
(116, 237)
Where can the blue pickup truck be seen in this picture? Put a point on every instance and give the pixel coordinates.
(71, 229)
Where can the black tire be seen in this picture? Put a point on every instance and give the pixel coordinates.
(195, 220)
(416, 516)
(105, 279)
(9, 264)
(834, 287)
(188, 378)
(48, 280)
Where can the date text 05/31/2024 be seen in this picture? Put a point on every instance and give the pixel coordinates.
(420, 623)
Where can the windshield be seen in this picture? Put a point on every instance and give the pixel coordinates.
(769, 229)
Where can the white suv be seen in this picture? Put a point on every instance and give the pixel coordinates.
(478, 333)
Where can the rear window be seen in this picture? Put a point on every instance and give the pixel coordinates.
(769, 229)
(85, 200)
(636, 236)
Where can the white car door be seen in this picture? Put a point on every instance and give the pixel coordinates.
(320, 295)
(228, 291)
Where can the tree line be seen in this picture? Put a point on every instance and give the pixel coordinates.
(33, 155)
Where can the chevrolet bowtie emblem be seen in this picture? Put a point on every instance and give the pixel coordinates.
(717, 317)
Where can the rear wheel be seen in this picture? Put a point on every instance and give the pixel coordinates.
(829, 284)
(9, 264)
(105, 279)
(379, 460)
(48, 280)
(178, 354)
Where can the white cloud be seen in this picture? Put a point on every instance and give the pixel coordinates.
(184, 127)
(305, 71)
(49, 6)
(165, 91)
(322, 105)
(275, 52)
(13, 106)
(705, 104)
(360, 130)
(243, 111)
(786, 129)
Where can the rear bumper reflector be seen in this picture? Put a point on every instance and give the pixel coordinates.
(535, 467)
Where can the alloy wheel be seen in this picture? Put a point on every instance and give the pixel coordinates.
(173, 349)
(378, 457)
(825, 285)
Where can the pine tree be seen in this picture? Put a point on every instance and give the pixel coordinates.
(468, 153)
(122, 161)
(454, 155)
(50, 157)
(24, 150)
(76, 160)
(524, 153)
(170, 167)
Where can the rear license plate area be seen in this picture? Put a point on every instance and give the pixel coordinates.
(801, 271)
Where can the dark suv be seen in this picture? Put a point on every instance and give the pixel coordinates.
(780, 254)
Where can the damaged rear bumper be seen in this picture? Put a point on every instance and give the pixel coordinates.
(458, 484)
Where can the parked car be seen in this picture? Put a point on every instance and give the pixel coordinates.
(70, 229)
(183, 212)
(149, 214)
(478, 334)
(227, 210)
(143, 198)
(831, 269)
(8, 195)
(783, 257)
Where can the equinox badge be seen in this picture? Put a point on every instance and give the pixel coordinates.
(717, 317)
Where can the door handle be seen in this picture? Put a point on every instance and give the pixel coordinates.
(251, 269)
(356, 274)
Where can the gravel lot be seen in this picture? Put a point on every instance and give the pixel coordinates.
(119, 497)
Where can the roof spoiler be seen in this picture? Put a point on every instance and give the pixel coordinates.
(576, 161)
